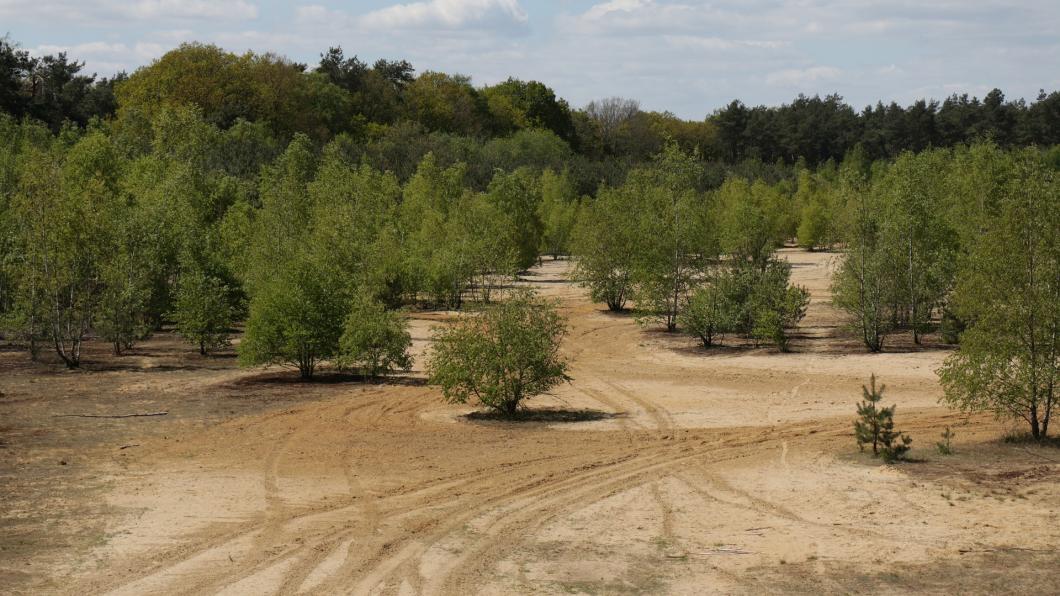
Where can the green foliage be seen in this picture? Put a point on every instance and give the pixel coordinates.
(517, 196)
(875, 426)
(536, 149)
(204, 309)
(374, 340)
(710, 313)
(270, 89)
(750, 220)
(516, 104)
(123, 316)
(861, 284)
(486, 244)
(447, 103)
(815, 201)
(1008, 292)
(295, 318)
(740, 298)
(558, 212)
(604, 245)
(59, 211)
(673, 236)
(501, 357)
(776, 306)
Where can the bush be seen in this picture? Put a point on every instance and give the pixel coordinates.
(777, 309)
(709, 314)
(374, 340)
(203, 310)
(295, 319)
(746, 300)
(508, 353)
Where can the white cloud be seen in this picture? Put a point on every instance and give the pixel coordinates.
(601, 10)
(717, 43)
(90, 49)
(447, 13)
(798, 77)
(191, 9)
(119, 11)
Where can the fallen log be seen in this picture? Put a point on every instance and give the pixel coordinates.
(109, 415)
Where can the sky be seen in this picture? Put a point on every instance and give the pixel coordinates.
(683, 56)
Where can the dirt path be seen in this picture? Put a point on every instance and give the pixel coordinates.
(661, 468)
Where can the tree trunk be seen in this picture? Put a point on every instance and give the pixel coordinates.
(1035, 429)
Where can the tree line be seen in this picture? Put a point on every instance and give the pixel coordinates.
(398, 115)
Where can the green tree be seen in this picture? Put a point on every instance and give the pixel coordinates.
(227, 87)
(59, 210)
(875, 426)
(738, 297)
(709, 314)
(861, 283)
(533, 148)
(918, 244)
(123, 316)
(296, 318)
(750, 220)
(676, 244)
(813, 199)
(204, 309)
(484, 238)
(776, 306)
(505, 355)
(517, 197)
(558, 211)
(1008, 291)
(604, 244)
(374, 339)
(446, 103)
(516, 104)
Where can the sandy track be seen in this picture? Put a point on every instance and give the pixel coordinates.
(729, 471)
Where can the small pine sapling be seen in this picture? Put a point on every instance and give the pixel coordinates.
(944, 446)
(870, 415)
(893, 444)
(875, 426)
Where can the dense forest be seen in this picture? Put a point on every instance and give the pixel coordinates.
(309, 203)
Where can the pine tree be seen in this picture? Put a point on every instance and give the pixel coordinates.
(869, 424)
(893, 444)
(875, 426)
(945, 446)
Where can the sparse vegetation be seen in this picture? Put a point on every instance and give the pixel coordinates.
(312, 214)
(945, 446)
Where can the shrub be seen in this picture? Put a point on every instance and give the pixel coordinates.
(295, 319)
(747, 300)
(374, 339)
(508, 353)
(203, 310)
(709, 314)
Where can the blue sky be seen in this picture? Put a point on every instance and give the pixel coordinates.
(679, 55)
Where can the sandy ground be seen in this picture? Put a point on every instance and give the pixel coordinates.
(662, 468)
